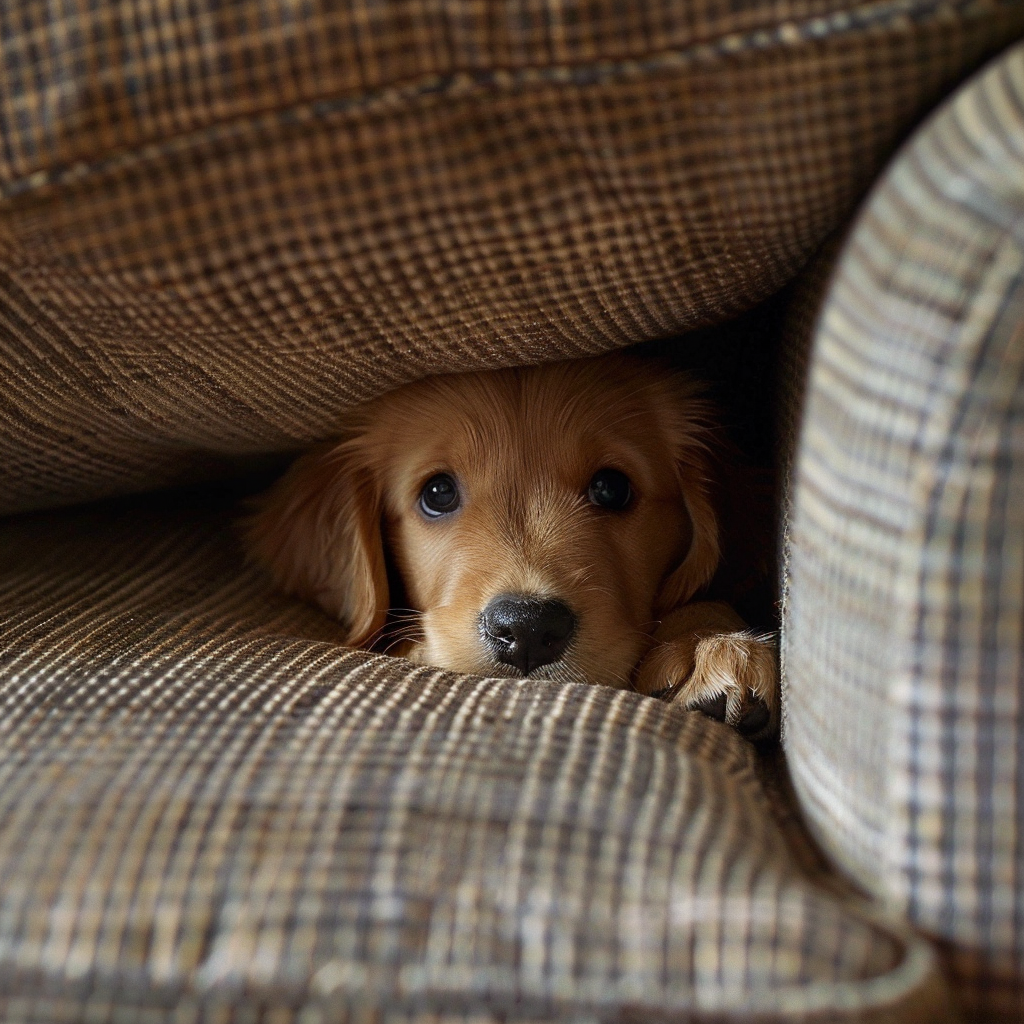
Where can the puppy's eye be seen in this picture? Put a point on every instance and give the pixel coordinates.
(610, 489)
(439, 496)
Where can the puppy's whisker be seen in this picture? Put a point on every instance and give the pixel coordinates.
(389, 627)
(403, 614)
(374, 637)
(403, 625)
(409, 628)
(401, 637)
(391, 646)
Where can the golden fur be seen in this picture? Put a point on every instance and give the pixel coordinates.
(523, 445)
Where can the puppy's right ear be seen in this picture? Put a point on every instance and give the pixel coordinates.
(318, 532)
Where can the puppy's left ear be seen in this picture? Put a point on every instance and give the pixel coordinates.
(318, 532)
(701, 561)
(693, 458)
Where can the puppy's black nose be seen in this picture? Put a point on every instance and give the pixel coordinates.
(526, 632)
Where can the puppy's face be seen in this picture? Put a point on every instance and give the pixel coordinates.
(540, 519)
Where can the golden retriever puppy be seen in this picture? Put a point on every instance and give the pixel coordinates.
(552, 522)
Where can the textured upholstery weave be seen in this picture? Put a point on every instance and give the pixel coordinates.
(208, 807)
(905, 637)
(221, 223)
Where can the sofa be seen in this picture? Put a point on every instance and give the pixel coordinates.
(224, 223)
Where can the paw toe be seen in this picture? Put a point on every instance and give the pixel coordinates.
(714, 707)
(754, 718)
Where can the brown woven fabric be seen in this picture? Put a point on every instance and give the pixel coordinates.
(210, 811)
(224, 223)
(86, 83)
(906, 606)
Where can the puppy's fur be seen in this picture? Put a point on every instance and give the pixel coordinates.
(345, 528)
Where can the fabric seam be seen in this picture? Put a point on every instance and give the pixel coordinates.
(462, 84)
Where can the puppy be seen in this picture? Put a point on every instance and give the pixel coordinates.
(552, 522)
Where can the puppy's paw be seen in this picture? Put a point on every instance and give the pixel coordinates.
(731, 677)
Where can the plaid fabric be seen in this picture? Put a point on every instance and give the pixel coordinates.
(793, 360)
(209, 811)
(905, 631)
(222, 223)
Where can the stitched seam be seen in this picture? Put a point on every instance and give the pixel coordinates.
(462, 84)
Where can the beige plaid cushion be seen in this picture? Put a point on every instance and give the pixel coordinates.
(905, 637)
(209, 811)
(222, 223)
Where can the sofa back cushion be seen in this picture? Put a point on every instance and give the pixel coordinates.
(222, 224)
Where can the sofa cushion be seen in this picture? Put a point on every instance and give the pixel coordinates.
(209, 810)
(905, 626)
(224, 223)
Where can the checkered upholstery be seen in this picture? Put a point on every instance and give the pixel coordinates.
(905, 631)
(222, 223)
(210, 811)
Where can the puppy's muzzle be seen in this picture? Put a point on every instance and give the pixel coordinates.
(526, 632)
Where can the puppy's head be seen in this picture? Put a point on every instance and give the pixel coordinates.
(540, 519)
